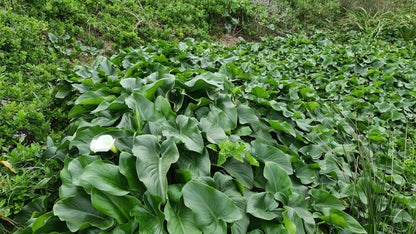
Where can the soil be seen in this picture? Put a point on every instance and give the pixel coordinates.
(228, 40)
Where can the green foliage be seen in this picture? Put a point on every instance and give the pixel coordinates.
(230, 115)
(212, 139)
(30, 180)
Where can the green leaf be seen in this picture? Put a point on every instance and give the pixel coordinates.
(197, 164)
(315, 151)
(95, 97)
(186, 131)
(154, 161)
(79, 214)
(283, 126)
(150, 217)
(278, 182)
(105, 177)
(340, 218)
(205, 81)
(226, 104)
(214, 133)
(242, 171)
(263, 205)
(180, 219)
(289, 225)
(211, 207)
(48, 223)
(260, 92)
(277, 178)
(129, 227)
(117, 207)
(323, 200)
(127, 164)
(145, 108)
(149, 90)
(268, 153)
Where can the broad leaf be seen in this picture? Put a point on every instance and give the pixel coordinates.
(263, 205)
(153, 162)
(105, 177)
(180, 219)
(269, 153)
(78, 213)
(185, 130)
(117, 207)
(211, 207)
(150, 217)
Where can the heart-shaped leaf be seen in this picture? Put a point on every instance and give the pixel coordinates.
(211, 207)
(153, 162)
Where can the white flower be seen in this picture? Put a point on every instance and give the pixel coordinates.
(103, 143)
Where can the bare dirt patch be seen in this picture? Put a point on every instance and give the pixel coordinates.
(228, 40)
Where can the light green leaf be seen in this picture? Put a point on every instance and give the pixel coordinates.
(289, 225)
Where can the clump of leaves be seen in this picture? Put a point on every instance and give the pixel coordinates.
(259, 138)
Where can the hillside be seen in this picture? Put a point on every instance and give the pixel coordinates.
(308, 130)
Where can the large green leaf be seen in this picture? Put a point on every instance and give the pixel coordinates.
(104, 176)
(150, 217)
(269, 153)
(144, 108)
(342, 219)
(246, 115)
(242, 171)
(153, 162)
(323, 200)
(185, 130)
(212, 208)
(127, 164)
(205, 81)
(214, 133)
(117, 207)
(79, 214)
(196, 163)
(263, 205)
(180, 219)
(278, 182)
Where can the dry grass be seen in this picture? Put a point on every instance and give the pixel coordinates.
(370, 6)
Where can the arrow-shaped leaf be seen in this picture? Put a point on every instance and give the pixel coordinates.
(153, 162)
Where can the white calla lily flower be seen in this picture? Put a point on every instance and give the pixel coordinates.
(103, 143)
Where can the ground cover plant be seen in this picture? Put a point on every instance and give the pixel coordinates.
(289, 135)
(38, 37)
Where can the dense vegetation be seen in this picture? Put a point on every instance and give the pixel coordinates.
(328, 114)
